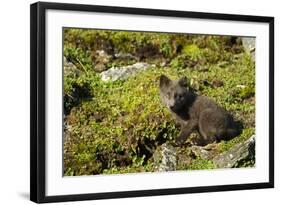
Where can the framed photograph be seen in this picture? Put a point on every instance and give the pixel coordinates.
(129, 102)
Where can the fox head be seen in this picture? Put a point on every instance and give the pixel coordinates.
(174, 93)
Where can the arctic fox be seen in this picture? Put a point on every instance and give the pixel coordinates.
(196, 113)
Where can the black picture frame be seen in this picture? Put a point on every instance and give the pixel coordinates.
(38, 100)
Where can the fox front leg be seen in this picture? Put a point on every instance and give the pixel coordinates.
(185, 132)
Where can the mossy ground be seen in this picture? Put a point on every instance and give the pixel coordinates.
(115, 127)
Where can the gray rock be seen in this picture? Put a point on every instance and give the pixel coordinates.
(237, 154)
(99, 67)
(208, 152)
(123, 72)
(70, 69)
(124, 56)
(101, 58)
(166, 157)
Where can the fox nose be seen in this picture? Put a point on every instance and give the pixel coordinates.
(172, 107)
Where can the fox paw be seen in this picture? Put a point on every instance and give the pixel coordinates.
(179, 142)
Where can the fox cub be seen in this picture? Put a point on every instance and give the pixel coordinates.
(195, 113)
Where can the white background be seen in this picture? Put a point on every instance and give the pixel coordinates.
(56, 185)
(14, 107)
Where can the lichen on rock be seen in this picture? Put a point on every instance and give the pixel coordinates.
(121, 73)
(240, 154)
(166, 158)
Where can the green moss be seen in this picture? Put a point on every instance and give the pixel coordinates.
(193, 51)
(246, 134)
(115, 127)
(247, 92)
(201, 164)
(81, 58)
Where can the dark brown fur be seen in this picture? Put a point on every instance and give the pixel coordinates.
(195, 113)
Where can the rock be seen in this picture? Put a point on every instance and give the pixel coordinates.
(100, 67)
(238, 154)
(102, 54)
(217, 83)
(70, 69)
(163, 64)
(124, 56)
(184, 158)
(249, 44)
(168, 157)
(168, 161)
(123, 72)
(101, 58)
(208, 152)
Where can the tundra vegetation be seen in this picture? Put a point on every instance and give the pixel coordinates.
(119, 126)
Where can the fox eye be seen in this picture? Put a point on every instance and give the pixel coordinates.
(178, 95)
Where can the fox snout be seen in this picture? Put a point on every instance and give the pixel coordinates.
(173, 107)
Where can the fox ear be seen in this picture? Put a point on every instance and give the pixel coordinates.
(183, 81)
(164, 81)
